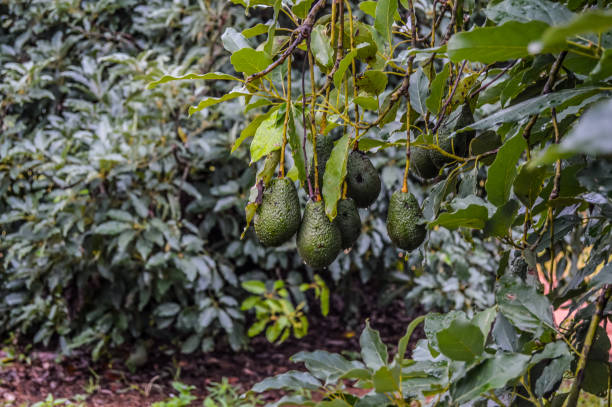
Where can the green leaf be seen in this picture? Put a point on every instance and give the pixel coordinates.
(269, 44)
(167, 309)
(493, 44)
(603, 69)
(254, 287)
(528, 10)
(592, 133)
(385, 14)
(112, 227)
(373, 350)
(504, 334)
(367, 102)
(499, 225)
(528, 183)
(419, 85)
(403, 342)
(372, 81)
(491, 374)
(292, 380)
(326, 366)
(483, 320)
(531, 106)
(503, 170)
(301, 8)
(593, 21)
(436, 91)
(254, 31)
(210, 101)
(473, 216)
(368, 7)
(342, 67)
(321, 48)
(268, 137)
(206, 76)
(250, 61)
(233, 40)
(249, 131)
(384, 380)
(333, 177)
(461, 341)
(523, 306)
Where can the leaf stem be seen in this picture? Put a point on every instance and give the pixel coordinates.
(286, 122)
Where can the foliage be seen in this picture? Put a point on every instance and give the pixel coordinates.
(275, 311)
(534, 179)
(223, 394)
(51, 401)
(120, 217)
(182, 399)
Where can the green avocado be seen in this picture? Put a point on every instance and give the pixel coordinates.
(457, 144)
(403, 221)
(318, 241)
(325, 145)
(362, 180)
(348, 222)
(421, 163)
(278, 216)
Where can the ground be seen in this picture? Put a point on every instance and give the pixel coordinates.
(32, 376)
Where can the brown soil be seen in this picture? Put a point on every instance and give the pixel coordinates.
(110, 383)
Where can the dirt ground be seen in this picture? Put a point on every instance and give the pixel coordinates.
(33, 376)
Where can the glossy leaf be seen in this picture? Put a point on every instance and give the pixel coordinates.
(385, 13)
(250, 61)
(373, 350)
(461, 341)
(503, 170)
(473, 216)
(268, 137)
(333, 177)
(491, 44)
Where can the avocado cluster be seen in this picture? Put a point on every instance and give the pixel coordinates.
(427, 163)
(319, 240)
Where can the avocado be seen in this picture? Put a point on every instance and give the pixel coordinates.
(348, 222)
(362, 180)
(457, 144)
(403, 221)
(278, 216)
(421, 163)
(325, 145)
(318, 241)
(453, 145)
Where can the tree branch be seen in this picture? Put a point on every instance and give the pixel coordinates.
(301, 33)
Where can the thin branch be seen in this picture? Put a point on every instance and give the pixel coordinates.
(449, 99)
(310, 194)
(499, 75)
(572, 399)
(301, 33)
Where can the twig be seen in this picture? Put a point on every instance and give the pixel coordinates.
(286, 121)
(448, 100)
(499, 75)
(451, 24)
(301, 33)
(310, 194)
(408, 105)
(572, 399)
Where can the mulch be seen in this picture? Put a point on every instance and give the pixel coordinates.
(110, 383)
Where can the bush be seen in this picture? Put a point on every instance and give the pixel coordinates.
(121, 217)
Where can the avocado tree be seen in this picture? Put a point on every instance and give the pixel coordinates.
(503, 110)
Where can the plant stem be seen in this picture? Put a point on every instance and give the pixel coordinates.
(310, 192)
(286, 122)
(301, 33)
(572, 399)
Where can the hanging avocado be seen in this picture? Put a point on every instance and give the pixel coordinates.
(362, 180)
(318, 240)
(421, 163)
(403, 221)
(278, 216)
(348, 222)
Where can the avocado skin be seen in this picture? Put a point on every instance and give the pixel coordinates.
(362, 180)
(403, 219)
(348, 222)
(278, 216)
(318, 241)
(325, 145)
(421, 163)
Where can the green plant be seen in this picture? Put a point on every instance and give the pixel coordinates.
(223, 394)
(51, 401)
(510, 103)
(182, 399)
(275, 311)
